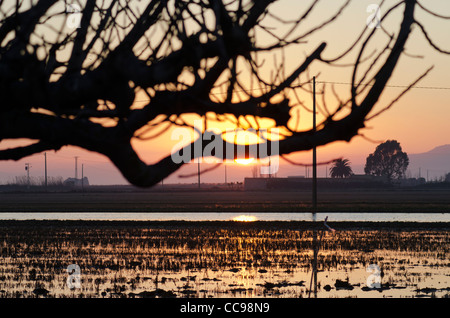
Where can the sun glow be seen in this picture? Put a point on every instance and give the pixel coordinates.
(244, 161)
(245, 218)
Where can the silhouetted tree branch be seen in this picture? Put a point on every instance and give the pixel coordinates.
(58, 83)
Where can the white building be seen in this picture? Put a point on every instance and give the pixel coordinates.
(72, 182)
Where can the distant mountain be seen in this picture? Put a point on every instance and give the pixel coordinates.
(434, 163)
(444, 149)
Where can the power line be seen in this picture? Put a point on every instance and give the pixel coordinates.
(71, 158)
(330, 82)
(45, 162)
(390, 86)
(27, 168)
(76, 167)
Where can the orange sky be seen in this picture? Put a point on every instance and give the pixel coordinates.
(419, 121)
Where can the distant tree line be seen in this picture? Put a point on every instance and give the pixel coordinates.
(388, 160)
(36, 181)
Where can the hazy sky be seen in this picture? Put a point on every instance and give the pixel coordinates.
(419, 121)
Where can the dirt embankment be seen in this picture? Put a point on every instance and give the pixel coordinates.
(229, 201)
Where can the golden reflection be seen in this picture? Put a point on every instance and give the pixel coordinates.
(245, 218)
(129, 261)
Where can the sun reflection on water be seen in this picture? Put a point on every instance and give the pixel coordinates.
(245, 218)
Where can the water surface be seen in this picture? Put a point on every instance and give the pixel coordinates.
(228, 216)
(151, 261)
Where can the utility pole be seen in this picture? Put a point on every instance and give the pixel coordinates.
(225, 165)
(198, 162)
(27, 168)
(82, 177)
(314, 192)
(198, 171)
(76, 167)
(45, 162)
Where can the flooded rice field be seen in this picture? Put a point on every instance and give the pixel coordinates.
(220, 259)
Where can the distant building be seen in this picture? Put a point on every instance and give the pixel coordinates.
(300, 182)
(78, 183)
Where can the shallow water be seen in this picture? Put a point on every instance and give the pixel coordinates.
(153, 261)
(226, 216)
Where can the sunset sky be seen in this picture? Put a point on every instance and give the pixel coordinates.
(419, 120)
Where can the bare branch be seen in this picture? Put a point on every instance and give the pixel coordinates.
(25, 151)
(188, 57)
(424, 32)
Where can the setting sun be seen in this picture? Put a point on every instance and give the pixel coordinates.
(244, 161)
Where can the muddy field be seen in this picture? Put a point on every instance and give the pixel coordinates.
(220, 259)
(394, 200)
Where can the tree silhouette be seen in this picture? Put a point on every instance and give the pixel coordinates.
(72, 74)
(388, 160)
(447, 177)
(341, 169)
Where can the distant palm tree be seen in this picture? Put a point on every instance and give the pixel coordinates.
(341, 169)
